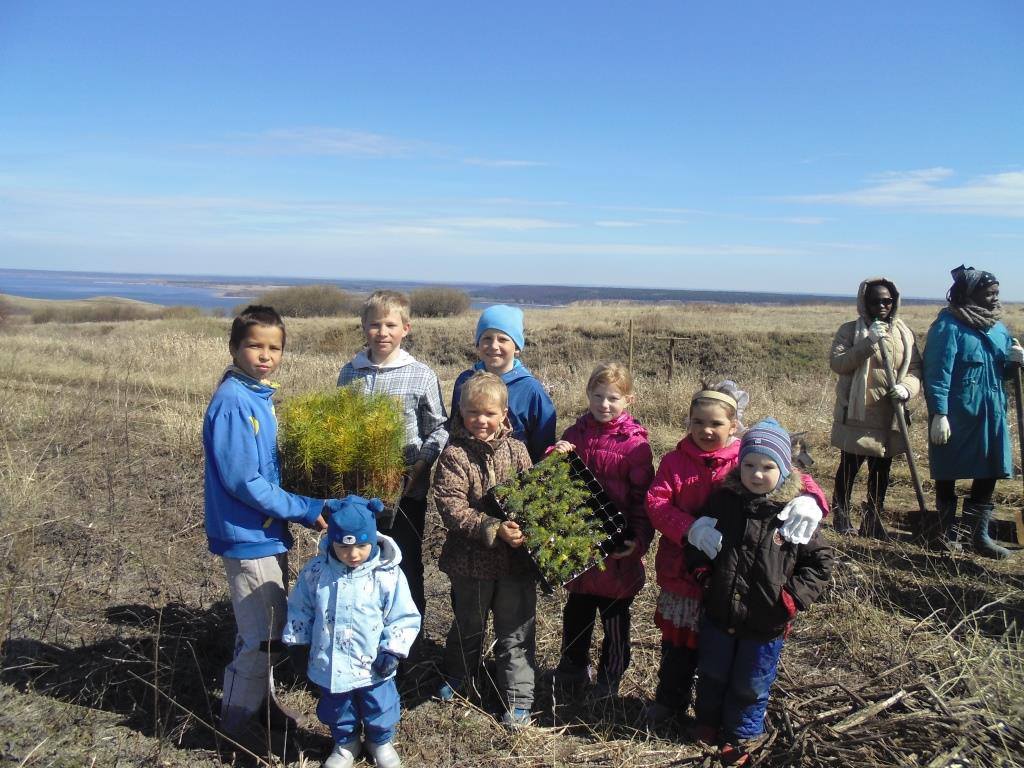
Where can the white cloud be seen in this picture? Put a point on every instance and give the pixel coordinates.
(932, 189)
(510, 224)
(319, 141)
(618, 224)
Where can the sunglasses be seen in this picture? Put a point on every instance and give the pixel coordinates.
(881, 302)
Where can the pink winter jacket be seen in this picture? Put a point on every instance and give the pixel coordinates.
(620, 457)
(685, 479)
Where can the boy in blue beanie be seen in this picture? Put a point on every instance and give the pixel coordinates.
(737, 552)
(352, 606)
(499, 342)
(247, 512)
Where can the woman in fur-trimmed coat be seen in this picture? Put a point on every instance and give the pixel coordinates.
(864, 421)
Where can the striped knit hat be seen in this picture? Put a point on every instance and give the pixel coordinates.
(767, 437)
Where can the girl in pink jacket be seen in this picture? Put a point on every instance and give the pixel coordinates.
(614, 447)
(685, 479)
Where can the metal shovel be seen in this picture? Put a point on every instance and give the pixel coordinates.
(901, 420)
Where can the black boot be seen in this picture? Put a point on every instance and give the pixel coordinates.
(871, 523)
(841, 520)
(978, 516)
(940, 530)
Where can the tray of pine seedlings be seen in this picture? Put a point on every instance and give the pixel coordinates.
(343, 441)
(568, 520)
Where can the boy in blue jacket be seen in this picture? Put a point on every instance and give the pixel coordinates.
(353, 609)
(499, 341)
(247, 511)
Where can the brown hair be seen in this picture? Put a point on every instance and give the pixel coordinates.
(385, 302)
(254, 314)
(484, 386)
(613, 374)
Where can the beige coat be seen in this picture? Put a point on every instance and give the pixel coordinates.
(876, 433)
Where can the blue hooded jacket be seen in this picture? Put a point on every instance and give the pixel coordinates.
(246, 509)
(530, 410)
(349, 615)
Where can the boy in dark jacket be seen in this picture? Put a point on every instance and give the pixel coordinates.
(755, 583)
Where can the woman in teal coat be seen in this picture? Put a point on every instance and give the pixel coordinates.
(967, 356)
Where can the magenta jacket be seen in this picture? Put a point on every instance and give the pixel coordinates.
(685, 479)
(620, 457)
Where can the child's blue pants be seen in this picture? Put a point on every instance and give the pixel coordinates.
(734, 677)
(377, 707)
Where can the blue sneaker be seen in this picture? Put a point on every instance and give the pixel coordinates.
(516, 718)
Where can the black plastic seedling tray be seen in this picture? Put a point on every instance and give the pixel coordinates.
(612, 520)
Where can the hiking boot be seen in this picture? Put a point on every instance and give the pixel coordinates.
(706, 735)
(978, 516)
(343, 755)
(516, 719)
(605, 687)
(871, 523)
(657, 714)
(384, 755)
(841, 520)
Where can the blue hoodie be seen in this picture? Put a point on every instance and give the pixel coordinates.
(530, 410)
(246, 508)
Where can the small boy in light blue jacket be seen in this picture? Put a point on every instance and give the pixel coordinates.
(352, 606)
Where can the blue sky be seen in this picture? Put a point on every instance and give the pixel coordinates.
(756, 146)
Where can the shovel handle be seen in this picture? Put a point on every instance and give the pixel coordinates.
(1020, 436)
(901, 422)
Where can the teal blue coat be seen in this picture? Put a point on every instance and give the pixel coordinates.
(963, 378)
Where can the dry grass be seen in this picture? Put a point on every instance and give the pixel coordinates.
(115, 622)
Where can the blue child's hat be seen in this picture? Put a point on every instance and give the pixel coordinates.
(353, 521)
(768, 438)
(502, 317)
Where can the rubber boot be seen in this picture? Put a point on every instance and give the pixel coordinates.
(841, 520)
(978, 516)
(871, 523)
(939, 529)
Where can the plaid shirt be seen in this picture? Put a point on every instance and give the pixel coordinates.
(423, 412)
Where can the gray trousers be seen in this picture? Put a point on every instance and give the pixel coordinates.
(513, 602)
(260, 603)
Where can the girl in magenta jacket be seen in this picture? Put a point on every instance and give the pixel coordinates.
(614, 447)
(685, 479)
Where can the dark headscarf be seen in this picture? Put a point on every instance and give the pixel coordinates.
(966, 281)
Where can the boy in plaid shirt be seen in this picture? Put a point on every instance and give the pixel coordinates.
(385, 367)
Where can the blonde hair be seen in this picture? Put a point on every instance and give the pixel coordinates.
(484, 386)
(612, 374)
(385, 302)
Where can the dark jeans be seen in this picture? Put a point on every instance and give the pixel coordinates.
(578, 630)
(675, 676)
(734, 680)
(846, 474)
(407, 531)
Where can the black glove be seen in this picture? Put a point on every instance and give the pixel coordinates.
(385, 664)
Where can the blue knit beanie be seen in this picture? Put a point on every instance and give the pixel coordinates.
(768, 438)
(353, 520)
(502, 317)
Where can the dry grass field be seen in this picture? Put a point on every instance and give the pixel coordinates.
(115, 622)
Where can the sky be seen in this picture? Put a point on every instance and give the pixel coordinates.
(791, 146)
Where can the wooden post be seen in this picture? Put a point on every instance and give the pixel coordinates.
(630, 366)
(671, 357)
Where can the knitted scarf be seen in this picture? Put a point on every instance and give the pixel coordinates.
(857, 408)
(976, 316)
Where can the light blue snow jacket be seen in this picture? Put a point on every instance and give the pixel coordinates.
(963, 378)
(247, 511)
(349, 615)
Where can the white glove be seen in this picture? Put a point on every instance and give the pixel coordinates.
(705, 537)
(800, 519)
(939, 432)
(877, 330)
(1016, 353)
(899, 392)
